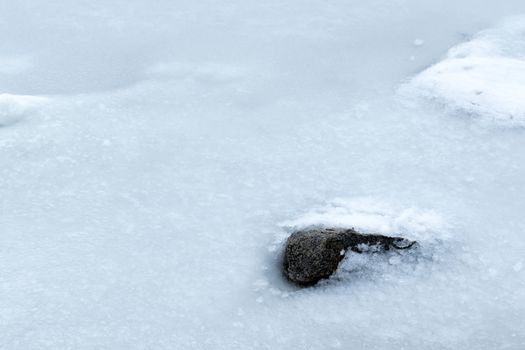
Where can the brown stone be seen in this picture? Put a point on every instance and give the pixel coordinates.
(314, 254)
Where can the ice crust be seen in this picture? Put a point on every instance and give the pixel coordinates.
(370, 215)
(140, 202)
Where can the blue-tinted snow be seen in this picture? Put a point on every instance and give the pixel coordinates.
(150, 153)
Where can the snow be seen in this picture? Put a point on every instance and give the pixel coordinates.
(369, 215)
(154, 157)
(484, 77)
(14, 108)
(418, 42)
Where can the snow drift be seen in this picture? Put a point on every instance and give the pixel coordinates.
(138, 207)
(370, 215)
(14, 108)
(484, 77)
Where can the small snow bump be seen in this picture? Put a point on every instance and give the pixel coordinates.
(14, 108)
(418, 42)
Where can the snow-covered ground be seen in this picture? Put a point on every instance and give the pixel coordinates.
(155, 154)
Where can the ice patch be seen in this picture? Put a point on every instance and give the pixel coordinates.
(373, 216)
(15, 64)
(205, 72)
(14, 108)
(484, 77)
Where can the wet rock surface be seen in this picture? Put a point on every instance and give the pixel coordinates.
(314, 254)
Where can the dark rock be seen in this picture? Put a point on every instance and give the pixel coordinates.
(313, 254)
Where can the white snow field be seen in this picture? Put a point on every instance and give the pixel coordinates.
(155, 154)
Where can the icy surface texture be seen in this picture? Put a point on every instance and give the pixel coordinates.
(140, 201)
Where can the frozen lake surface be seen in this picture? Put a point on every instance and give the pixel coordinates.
(155, 155)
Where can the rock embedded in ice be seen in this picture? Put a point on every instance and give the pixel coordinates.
(314, 254)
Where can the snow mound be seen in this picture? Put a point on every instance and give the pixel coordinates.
(484, 77)
(370, 215)
(14, 108)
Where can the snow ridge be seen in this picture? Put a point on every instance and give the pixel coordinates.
(484, 77)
